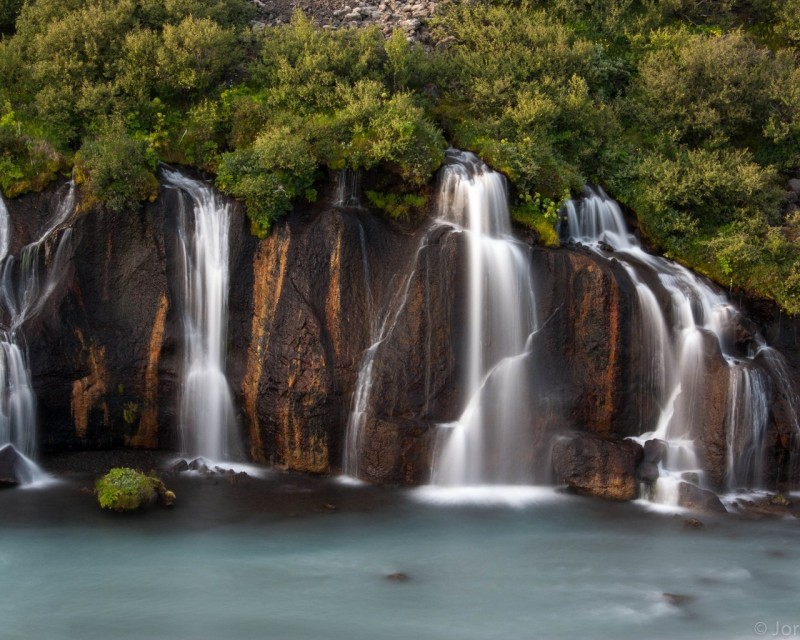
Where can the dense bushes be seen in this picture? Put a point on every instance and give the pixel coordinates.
(687, 111)
(117, 169)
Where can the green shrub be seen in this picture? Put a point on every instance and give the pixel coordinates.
(124, 489)
(117, 169)
(279, 167)
(397, 205)
(698, 191)
(540, 215)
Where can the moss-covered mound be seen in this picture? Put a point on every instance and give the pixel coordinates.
(125, 489)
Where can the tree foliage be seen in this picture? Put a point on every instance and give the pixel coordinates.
(687, 111)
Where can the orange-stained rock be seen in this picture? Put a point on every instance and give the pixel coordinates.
(598, 467)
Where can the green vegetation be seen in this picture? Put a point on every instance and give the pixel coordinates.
(686, 111)
(124, 489)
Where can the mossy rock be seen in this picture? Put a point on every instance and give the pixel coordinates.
(125, 489)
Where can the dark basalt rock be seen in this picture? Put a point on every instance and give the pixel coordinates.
(13, 468)
(655, 450)
(398, 577)
(678, 599)
(697, 499)
(598, 467)
(306, 304)
(647, 472)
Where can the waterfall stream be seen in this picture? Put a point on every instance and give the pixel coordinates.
(501, 315)
(675, 337)
(480, 446)
(26, 284)
(207, 421)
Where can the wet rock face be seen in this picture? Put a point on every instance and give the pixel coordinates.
(598, 467)
(88, 349)
(13, 468)
(589, 338)
(309, 326)
(702, 410)
(306, 304)
(104, 353)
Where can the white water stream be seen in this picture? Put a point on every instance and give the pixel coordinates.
(206, 407)
(26, 283)
(480, 446)
(501, 315)
(675, 337)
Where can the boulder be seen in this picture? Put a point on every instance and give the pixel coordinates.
(125, 489)
(655, 450)
(697, 499)
(599, 467)
(14, 467)
(647, 472)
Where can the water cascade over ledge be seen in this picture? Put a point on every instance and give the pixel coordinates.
(27, 283)
(685, 322)
(207, 422)
(483, 444)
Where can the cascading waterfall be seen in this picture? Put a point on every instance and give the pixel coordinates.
(674, 339)
(207, 421)
(748, 411)
(24, 294)
(501, 317)
(481, 446)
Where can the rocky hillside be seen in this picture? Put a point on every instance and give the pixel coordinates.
(409, 15)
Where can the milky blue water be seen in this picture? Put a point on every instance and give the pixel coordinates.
(554, 568)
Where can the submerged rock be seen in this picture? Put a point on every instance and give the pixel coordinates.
(693, 523)
(600, 467)
(677, 599)
(398, 577)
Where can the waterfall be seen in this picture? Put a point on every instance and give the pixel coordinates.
(23, 294)
(480, 446)
(207, 421)
(348, 189)
(748, 411)
(674, 338)
(483, 445)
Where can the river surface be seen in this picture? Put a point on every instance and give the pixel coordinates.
(288, 557)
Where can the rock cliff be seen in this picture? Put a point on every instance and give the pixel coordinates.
(305, 306)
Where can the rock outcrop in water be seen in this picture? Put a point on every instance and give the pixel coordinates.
(598, 467)
(308, 302)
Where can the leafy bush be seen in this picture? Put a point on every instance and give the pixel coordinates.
(268, 176)
(117, 169)
(25, 163)
(700, 190)
(540, 215)
(397, 205)
(124, 489)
